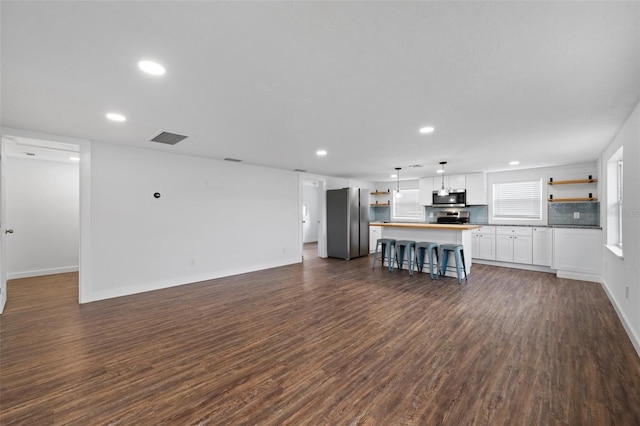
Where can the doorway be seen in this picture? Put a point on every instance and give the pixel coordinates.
(41, 194)
(312, 212)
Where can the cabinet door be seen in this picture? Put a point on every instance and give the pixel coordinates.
(457, 182)
(577, 250)
(486, 247)
(476, 188)
(504, 248)
(522, 249)
(374, 234)
(542, 246)
(425, 191)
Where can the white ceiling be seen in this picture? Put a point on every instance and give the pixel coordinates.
(545, 83)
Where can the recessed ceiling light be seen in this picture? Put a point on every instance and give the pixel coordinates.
(321, 152)
(152, 68)
(116, 117)
(514, 163)
(440, 171)
(74, 158)
(394, 175)
(428, 129)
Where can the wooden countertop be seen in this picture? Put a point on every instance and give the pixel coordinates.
(450, 227)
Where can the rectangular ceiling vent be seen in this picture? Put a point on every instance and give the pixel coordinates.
(235, 160)
(168, 138)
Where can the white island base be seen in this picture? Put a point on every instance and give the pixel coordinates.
(434, 233)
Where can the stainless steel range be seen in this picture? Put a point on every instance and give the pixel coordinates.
(452, 216)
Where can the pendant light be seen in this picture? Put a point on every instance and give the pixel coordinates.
(398, 194)
(443, 192)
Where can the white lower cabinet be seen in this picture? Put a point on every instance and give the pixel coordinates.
(542, 246)
(374, 234)
(483, 243)
(577, 253)
(514, 244)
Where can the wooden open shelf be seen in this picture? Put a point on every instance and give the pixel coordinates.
(380, 193)
(380, 204)
(572, 182)
(564, 200)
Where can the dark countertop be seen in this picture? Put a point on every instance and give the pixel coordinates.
(542, 226)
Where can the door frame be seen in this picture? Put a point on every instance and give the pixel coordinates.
(322, 210)
(84, 258)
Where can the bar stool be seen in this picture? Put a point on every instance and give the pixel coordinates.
(429, 249)
(458, 252)
(385, 245)
(409, 247)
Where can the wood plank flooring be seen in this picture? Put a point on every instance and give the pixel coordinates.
(328, 342)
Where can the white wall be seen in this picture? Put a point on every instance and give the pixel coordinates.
(310, 198)
(214, 219)
(42, 209)
(619, 273)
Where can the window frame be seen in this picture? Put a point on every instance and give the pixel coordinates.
(514, 177)
(615, 202)
(420, 217)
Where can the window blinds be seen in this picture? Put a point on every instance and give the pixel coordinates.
(517, 200)
(407, 206)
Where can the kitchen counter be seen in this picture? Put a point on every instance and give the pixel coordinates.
(432, 232)
(419, 225)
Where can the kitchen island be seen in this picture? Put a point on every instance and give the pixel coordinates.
(432, 232)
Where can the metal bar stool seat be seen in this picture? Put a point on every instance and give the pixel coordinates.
(403, 246)
(426, 249)
(458, 252)
(385, 245)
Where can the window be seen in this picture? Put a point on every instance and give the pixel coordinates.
(407, 207)
(619, 202)
(615, 212)
(518, 200)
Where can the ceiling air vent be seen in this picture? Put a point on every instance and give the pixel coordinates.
(235, 160)
(168, 138)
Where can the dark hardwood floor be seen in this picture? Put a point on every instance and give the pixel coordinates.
(325, 342)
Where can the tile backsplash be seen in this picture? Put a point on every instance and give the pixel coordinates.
(565, 213)
(380, 214)
(477, 214)
(559, 214)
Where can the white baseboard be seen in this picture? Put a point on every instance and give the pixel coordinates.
(523, 266)
(41, 272)
(579, 276)
(635, 341)
(192, 279)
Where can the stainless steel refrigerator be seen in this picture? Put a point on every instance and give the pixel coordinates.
(347, 223)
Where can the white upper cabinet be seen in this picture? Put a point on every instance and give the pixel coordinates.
(474, 183)
(425, 191)
(454, 182)
(476, 188)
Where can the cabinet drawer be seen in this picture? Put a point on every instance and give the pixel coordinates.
(491, 230)
(514, 230)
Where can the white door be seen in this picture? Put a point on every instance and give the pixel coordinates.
(3, 226)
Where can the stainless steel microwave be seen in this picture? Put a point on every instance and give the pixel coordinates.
(456, 198)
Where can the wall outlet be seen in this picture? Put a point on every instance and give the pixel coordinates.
(192, 262)
(430, 215)
(626, 292)
(576, 215)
